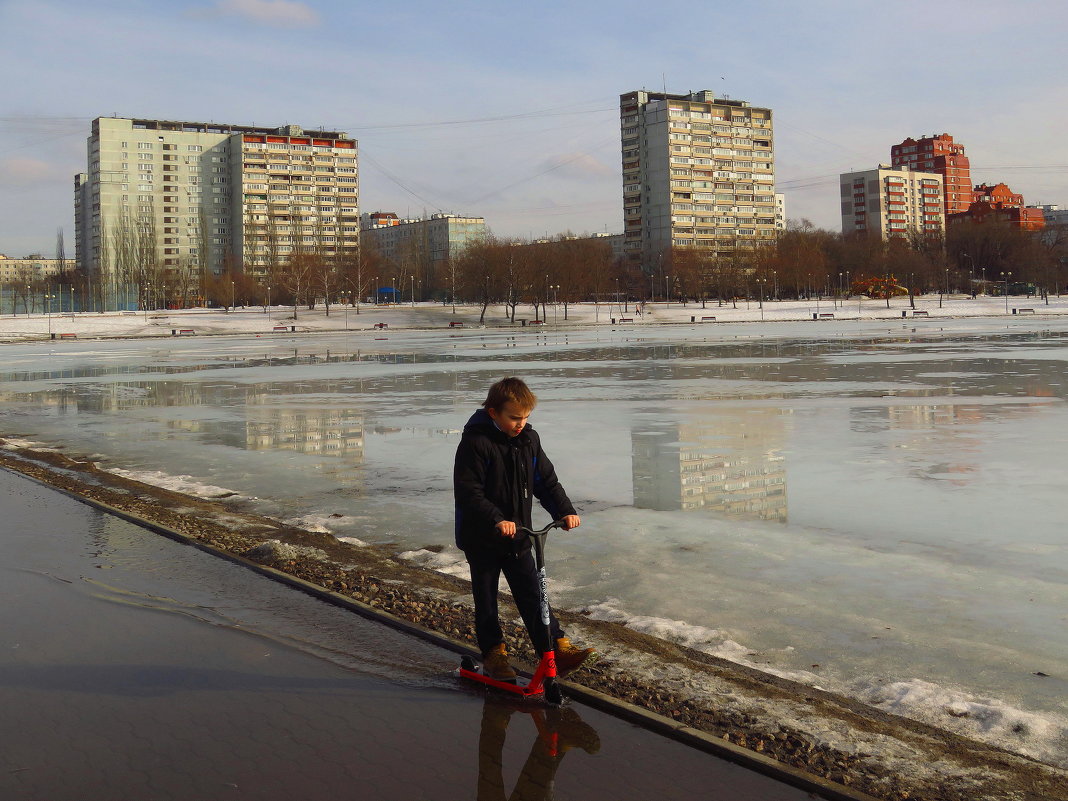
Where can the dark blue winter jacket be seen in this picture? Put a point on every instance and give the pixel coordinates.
(495, 478)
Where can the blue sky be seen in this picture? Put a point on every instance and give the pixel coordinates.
(510, 111)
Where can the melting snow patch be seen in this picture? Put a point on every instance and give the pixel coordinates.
(15, 444)
(451, 564)
(276, 550)
(352, 541)
(186, 485)
(987, 720)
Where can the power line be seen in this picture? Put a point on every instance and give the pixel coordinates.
(540, 173)
(395, 179)
(472, 121)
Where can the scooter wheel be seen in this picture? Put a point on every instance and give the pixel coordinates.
(553, 694)
(468, 663)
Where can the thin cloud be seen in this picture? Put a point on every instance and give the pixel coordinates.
(23, 172)
(576, 165)
(281, 13)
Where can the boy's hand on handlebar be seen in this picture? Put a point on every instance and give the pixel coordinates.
(571, 521)
(506, 528)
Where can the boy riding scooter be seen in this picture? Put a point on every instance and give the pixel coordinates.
(500, 467)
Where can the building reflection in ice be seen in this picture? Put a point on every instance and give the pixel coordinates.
(732, 464)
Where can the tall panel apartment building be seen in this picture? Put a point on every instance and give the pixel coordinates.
(942, 155)
(891, 202)
(698, 172)
(164, 198)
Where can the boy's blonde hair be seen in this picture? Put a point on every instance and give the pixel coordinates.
(510, 389)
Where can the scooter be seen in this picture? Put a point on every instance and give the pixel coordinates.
(543, 682)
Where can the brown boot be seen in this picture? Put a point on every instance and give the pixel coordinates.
(568, 657)
(495, 664)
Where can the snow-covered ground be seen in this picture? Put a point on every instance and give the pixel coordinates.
(257, 320)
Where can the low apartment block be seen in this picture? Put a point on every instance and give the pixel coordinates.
(888, 202)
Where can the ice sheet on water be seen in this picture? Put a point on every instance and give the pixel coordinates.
(843, 499)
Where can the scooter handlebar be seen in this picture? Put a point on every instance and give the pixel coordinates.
(550, 527)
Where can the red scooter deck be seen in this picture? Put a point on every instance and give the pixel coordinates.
(543, 682)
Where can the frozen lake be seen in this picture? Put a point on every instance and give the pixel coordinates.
(863, 506)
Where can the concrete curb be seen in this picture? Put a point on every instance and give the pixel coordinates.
(636, 715)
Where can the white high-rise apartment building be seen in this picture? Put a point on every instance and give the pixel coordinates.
(698, 172)
(165, 199)
(892, 201)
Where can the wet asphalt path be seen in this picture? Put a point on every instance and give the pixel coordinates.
(134, 667)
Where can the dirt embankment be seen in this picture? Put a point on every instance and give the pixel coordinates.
(882, 755)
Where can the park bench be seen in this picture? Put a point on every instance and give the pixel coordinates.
(182, 332)
(921, 313)
(626, 319)
(381, 325)
(823, 316)
(285, 328)
(456, 324)
(536, 322)
(708, 318)
(1023, 311)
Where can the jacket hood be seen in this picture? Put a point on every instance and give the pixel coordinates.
(481, 423)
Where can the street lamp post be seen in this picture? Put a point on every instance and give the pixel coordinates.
(413, 290)
(268, 302)
(1005, 277)
(48, 297)
(233, 296)
(971, 273)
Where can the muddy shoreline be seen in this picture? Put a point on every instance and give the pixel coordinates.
(882, 755)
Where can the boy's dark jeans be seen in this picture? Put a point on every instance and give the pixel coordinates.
(522, 577)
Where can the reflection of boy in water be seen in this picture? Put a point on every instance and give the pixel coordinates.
(559, 730)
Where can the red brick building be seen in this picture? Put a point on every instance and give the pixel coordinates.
(1004, 204)
(939, 154)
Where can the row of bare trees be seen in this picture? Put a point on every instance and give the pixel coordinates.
(563, 270)
(305, 258)
(806, 261)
